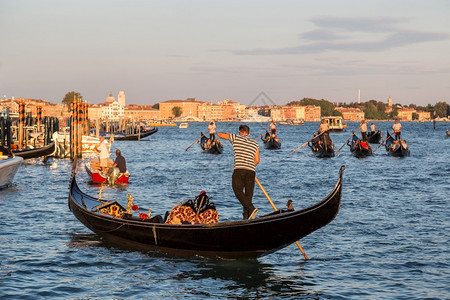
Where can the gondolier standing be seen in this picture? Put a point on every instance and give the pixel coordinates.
(273, 128)
(104, 154)
(372, 128)
(364, 130)
(397, 127)
(212, 131)
(246, 157)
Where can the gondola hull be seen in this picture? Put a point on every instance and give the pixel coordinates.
(37, 152)
(396, 150)
(374, 138)
(272, 144)
(359, 150)
(119, 136)
(215, 148)
(246, 238)
(322, 152)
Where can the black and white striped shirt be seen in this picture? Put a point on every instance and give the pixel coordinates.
(244, 151)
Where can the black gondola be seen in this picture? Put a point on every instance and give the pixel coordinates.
(322, 146)
(36, 152)
(374, 138)
(359, 148)
(120, 136)
(396, 148)
(214, 147)
(244, 238)
(271, 141)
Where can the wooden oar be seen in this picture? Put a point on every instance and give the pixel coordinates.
(382, 143)
(260, 136)
(194, 142)
(349, 138)
(275, 208)
(306, 143)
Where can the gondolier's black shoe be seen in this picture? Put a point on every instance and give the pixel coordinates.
(253, 215)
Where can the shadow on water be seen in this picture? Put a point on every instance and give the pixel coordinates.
(230, 278)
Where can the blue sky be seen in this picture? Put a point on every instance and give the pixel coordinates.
(216, 50)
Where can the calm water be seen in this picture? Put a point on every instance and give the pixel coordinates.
(389, 240)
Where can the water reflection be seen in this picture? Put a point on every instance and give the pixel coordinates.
(203, 277)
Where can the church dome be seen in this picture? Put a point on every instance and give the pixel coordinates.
(110, 99)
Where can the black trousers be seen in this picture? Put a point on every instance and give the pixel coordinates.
(364, 136)
(243, 182)
(398, 135)
(212, 136)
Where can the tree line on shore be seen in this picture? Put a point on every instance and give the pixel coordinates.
(374, 109)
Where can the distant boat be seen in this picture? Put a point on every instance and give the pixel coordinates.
(448, 133)
(215, 147)
(335, 123)
(8, 169)
(292, 122)
(256, 118)
(374, 138)
(114, 177)
(183, 125)
(322, 146)
(359, 148)
(271, 141)
(396, 148)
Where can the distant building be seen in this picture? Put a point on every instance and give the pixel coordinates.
(312, 113)
(189, 108)
(405, 114)
(389, 105)
(141, 112)
(351, 113)
(424, 115)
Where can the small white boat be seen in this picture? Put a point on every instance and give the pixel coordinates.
(8, 169)
(183, 125)
(335, 122)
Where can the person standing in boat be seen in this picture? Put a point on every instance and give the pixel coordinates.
(246, 158)
(372, 128)
(324, 127)
(397, 127)
(212, 131)
(364, 130)
(273, 128)
(104, 154)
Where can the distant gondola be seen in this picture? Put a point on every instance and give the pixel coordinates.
(120, 136)
(271, 141)
(234, 239)
(359, 148)
(374, 138)
(396, 148)
(36, 152)
(214, 147)
(322, 146)
(448, 133)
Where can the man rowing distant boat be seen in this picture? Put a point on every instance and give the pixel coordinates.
(397, 127)
(246, 157)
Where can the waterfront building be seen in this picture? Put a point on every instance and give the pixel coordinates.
(312, 113)
(424, 115)
(189, 108)
(112, 109)
(141, 112)
(405, 114)
(351, 113)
